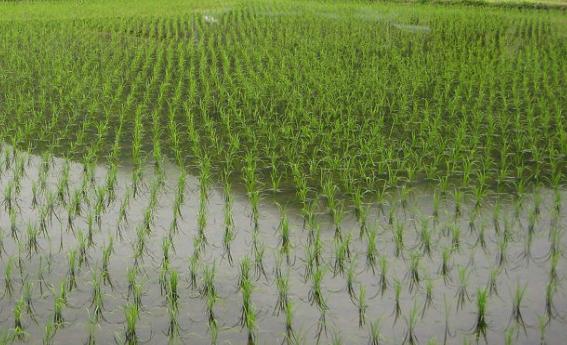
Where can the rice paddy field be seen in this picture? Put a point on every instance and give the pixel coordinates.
(282, 172)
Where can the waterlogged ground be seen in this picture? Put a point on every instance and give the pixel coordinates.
(471, 240)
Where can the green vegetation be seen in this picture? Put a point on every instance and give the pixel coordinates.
(282, 172)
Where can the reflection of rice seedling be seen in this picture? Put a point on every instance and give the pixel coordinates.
(411, 322)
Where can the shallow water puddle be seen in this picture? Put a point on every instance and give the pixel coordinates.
(442, 305)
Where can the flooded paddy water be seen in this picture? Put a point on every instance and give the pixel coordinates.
(432, 256)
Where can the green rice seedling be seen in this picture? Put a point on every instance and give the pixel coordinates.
(208, 288)
(27, 296)
(509, 335)
(338, 214)
(492, 285)
(383, 277)
(284, 230)
(436, 204)
(397, 305)
(244, 272)
(455, 238)
(202, 225)
(413, 273)
(19, 331)
(336, 339)
(425, 238)
(212, 321)
(8, 282)
(82, 250)
(458, 197)
(35, 195)
(496, 210)
(164, 266)
(428, 296)
(516, 314)
(290, 336)
(502, 254)
(173, 304)
(372, 248)
(391, 214)
(193, 268)
(376, 337)
(481, 324)
(554, 261)
(91, 331)
(13, 224)
(58, 305)
(248, 311)
(350, 279)
(542, 323)
(259, 251)
(550, 309)
(445, 268)
(362, 306)
(32, 242)
(2, 244)
(446, 312)
(140, 245)
(282, 284)
(123, 211)
(97, 297)
(131, 315)
(48, 333)
(9, 197)
(462, 294)
(342, 254)
(411, 322)
(72, 270)
(399, 239)
(360, 211)
(315, 295)
(106, 253)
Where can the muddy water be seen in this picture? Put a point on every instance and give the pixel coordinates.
(342, 318)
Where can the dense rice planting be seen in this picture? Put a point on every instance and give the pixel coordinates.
(283, 173)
